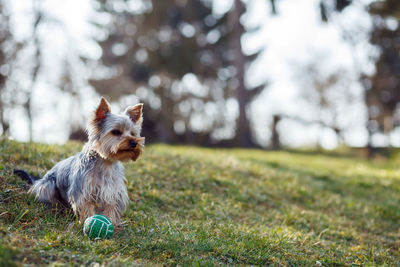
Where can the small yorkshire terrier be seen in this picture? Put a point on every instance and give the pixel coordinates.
(93, 181)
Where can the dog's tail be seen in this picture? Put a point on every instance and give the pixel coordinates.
(25, 176)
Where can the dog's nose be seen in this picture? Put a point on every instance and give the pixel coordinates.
(133, 143)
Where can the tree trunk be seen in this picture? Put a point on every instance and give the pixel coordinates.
(275, 142)
(243, 131)
(37, 59)
(166, 121)
(4, 124)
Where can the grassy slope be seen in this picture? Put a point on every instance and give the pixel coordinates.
(193, 206)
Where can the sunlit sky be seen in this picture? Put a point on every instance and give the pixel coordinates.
(290, 41)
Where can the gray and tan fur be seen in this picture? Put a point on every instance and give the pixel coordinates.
(93, 181)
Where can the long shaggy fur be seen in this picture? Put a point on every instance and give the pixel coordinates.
(93, 181)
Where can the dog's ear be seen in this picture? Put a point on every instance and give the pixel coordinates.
(135, 113)
(102, 109)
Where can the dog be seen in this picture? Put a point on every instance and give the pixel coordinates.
(93, 181)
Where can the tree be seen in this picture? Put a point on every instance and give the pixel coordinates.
(9, 49)
(36, 60)
(329, 97)
(160, 52)
(29, 60)
(170, 41)
(244, 95)
(383, 87)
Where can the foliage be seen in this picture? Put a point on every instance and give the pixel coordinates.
(153, 50)
(327, 7)
(206, 207)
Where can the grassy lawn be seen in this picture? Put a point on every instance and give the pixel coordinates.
(206, 207)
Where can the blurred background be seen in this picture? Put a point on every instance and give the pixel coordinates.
(254, 73)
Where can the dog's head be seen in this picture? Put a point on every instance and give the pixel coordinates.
(116, 137)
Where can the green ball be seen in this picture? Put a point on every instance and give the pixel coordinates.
(98, 226)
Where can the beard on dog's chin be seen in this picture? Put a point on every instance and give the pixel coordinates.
(127, 154)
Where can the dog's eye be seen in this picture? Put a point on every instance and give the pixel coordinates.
(132, 133)
(116, 132)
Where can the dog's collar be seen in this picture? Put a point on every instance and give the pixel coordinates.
(92, 155)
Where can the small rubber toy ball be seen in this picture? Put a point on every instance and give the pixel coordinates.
(98, 227)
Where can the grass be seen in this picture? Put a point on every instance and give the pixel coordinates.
(204, 207)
